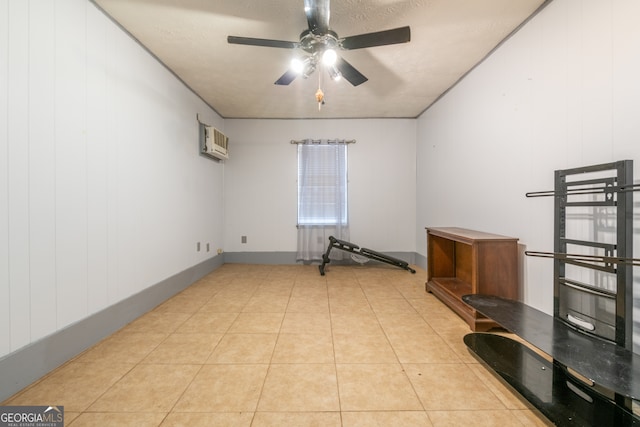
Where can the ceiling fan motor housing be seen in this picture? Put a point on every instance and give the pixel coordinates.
(313, 44)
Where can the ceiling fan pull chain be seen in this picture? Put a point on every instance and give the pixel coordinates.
(319, 93)
(320, 98)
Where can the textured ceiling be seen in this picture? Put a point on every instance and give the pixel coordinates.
(448, 38)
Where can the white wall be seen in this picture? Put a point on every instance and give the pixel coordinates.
(563, 92)
(261, 188)
(102, 190)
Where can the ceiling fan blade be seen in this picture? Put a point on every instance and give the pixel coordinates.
(262, 42)
(348, 71)
(317, 12)
(379, 38)
(286, 78)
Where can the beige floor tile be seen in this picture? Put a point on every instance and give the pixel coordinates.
(306, 323)
(381, 292)
(244, 348)
(205, 322)
(211, 419)
(109, 419)
(337, 275)
(347, 283)
(184, 349)
(444, 314)
(75, 385)
(238, 289)
(386, 419)
(345, 291)
(449, 324)
(147, 388)
(70, 416)
(369, 276)
(275, 287)
(123, 347)
(309, 279)
(422, 348)
(241, 286)
(412, 290)
(375, 387)
(455, 341)
(457, 387)
(310, 288)
(351, 348)
(157, 322)
(355, 323)
(495, 418)
(226, 304)
(248, 281)
(182, 303)
(428, 304)
(257, 323)
(224, 388)
(308, 304)
(391, 305)
(303, 348)
(404, 323)
(266, 304)
(284, 271)
(309, 271)
(355, 306)
(298, 419)
(431, 306)
(300, 387)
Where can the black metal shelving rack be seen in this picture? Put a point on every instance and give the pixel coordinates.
(611, 202)
(590, 332)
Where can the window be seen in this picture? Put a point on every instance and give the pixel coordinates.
(322, 184)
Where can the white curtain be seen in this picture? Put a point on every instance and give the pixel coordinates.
(322, 198)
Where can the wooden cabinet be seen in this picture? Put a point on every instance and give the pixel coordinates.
(462, 262)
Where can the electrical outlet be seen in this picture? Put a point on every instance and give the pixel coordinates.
(243, 239)
(198, 247)
(207, 247)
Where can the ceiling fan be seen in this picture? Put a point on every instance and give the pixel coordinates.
(318, 45)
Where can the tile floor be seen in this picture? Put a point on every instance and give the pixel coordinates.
(264, 345)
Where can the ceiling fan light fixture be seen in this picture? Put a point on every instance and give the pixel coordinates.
(298, 65)
(334, 73)
(329, 57)
(308, 70)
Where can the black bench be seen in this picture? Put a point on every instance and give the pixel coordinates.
(343, 245)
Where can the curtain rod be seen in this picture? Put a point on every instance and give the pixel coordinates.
(320, 141)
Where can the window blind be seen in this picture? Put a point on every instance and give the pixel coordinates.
(322, 184)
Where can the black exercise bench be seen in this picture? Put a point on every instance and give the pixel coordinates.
(367, 253)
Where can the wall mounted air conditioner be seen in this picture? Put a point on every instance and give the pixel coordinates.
(216, 143)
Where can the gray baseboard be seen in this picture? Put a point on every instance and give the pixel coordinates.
(26, 365)
(420, 261)
(285, 258)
